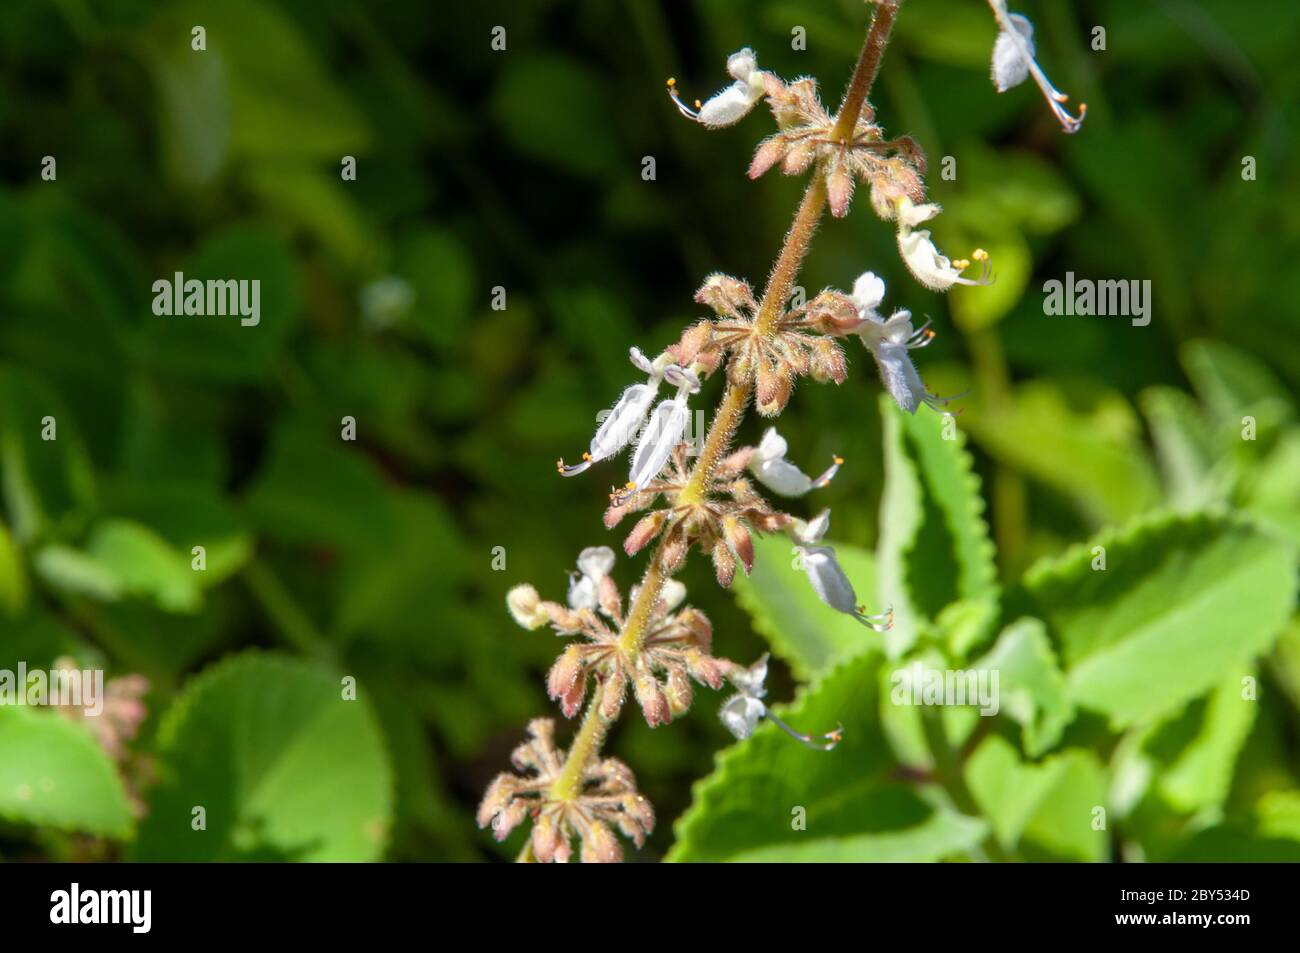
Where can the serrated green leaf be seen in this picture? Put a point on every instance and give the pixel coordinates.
(284, 767)
(852, 809)
(803, 631)
(53, 774)
(934, 547)
(1181, 599)
(1031, 687)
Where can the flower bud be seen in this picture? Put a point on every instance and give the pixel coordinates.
(525, 605)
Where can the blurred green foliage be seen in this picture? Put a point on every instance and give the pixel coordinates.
(522, 170)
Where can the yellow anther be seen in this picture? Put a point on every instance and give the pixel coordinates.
(839, 461)
(979, 254)
(961, 264)
(586, 456)
(672, 81)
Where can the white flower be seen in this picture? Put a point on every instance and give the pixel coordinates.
(594, 564)
(773, 470)
(924, 260)
(732, 104)
(742, 712)
(664, 431)
(889, 341)
(622, 422)
(827, 577)
(1013, 61)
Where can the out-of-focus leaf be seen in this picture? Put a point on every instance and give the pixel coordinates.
(807, 634)
(53, 774)
(45, 481)
(1181, 600)
(13, 575)
(577, 138)
(853, 811)
(283, 765)
(1232, 383)
(1081, 442)
(1030, 684)
(934, 547)
(1046, 809)
(260, 84)
(1183, 447)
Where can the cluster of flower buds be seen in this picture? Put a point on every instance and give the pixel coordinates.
(1013, 63)
(674, 649)
(604, 798)
(806, 137)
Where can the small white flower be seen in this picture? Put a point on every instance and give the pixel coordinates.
(622, 422)
(827, 577)
(664, 431)
(742, 712)
(728, 107)
(525, 606)
(594, 564)
(773, 470)
(889, 341)
(924, 260)
(1013, 61)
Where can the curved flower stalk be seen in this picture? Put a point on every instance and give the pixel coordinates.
(703, 494)
(1013, 62)
(742, 712)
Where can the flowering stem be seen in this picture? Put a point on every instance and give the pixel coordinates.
(864, 75)
(731, 410)
(568, 785)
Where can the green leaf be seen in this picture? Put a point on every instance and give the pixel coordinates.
(1231, 382)
(523, 106)
(1082, 441)
(934, 547)
(145, 565)
(283, 765)
(854, 811)
(54, 775)
(1046, 810)
(1181, 600)
(1030, 684)
(316, 489)
(261, 86)
(1184, 447)
(44, 481)
(76, 573)
(803, 631)
(1199, 773)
